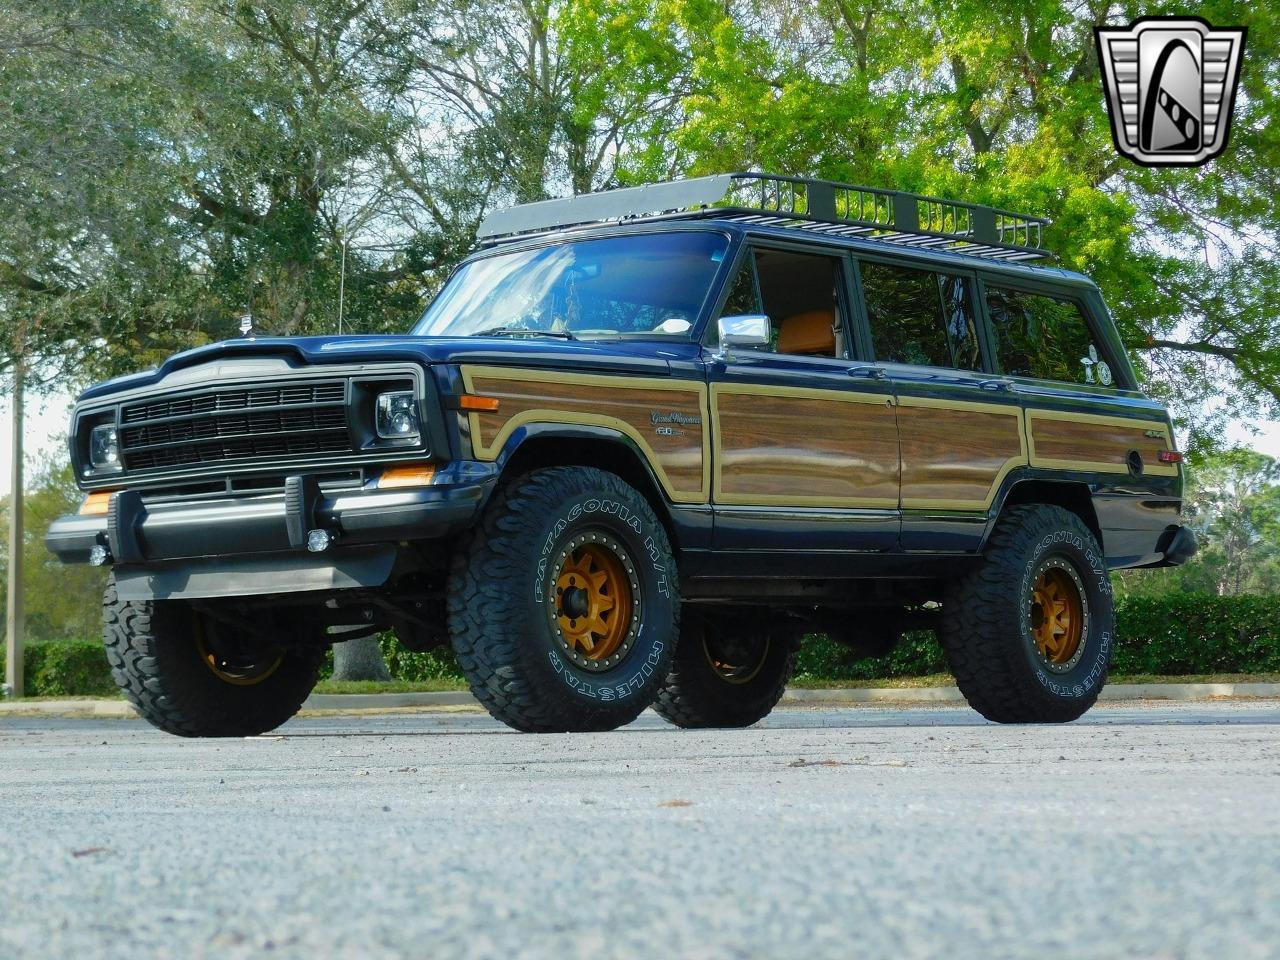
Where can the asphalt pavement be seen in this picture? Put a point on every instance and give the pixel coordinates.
(1143, 831)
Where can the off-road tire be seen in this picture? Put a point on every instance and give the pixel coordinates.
(987, 624)
(501, 598)
(695, 695)
(151, 647)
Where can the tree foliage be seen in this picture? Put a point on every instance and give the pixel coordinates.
(62, 602)
(1001, 103)
(1233, 506)
(169, 165)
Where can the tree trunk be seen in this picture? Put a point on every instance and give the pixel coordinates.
(359, 659)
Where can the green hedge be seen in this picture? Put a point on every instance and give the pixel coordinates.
(67, 668)
(1172, 635)
(1189, 633)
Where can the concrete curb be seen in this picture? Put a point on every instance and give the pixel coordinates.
(1115, 691)
(69, 708)
(452, 700)
(383, 701)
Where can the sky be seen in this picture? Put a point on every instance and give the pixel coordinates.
(47, 422)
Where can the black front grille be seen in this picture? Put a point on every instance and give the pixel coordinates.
(231, 424)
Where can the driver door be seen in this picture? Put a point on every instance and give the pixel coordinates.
(804, 440)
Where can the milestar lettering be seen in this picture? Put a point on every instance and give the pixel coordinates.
(619, 691)
(1097, 564)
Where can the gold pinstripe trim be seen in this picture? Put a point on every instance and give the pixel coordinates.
(712, 451)
(1098, 466)
(795, 393)
(550, 415)
(1012, 463)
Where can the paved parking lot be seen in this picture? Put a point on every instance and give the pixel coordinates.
(1143, 831)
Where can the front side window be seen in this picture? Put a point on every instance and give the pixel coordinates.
(645, 284)
(920, 317)
(801, 295)
(1043, 337)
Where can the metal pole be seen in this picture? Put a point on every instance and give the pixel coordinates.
(342, 284)
(13, 672)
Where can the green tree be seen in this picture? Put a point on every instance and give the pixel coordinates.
(1236, 505)
(62, 602)
(1002, 103)
(1233, 505)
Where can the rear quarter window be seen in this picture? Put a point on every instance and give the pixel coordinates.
(1046, 337)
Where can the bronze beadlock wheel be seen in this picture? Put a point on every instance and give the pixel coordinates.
(728, 672)
(1029, 631)
(597, 608)
(736, 658)
(239, 671)
(195, 677)
(1059, 615)
(564, 602)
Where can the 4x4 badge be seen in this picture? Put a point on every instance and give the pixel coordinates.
(1170, 85)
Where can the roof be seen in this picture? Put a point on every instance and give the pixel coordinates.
(818, 206)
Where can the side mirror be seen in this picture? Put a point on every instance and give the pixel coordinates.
(748, 330)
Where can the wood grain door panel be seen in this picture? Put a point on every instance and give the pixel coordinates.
(1066, 440)
(955, 453)
(804, 447)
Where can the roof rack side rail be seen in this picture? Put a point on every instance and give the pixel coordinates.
(821, 205)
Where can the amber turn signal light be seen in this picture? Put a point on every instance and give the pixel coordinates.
(96, 503)
(1169, 456)
(469, 401)
(408, 475)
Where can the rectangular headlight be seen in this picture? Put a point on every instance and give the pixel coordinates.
(397, 416)
(104, 449)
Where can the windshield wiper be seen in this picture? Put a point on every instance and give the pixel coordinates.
(522, 332)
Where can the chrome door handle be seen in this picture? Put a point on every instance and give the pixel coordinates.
(999, 386)
(870, 373)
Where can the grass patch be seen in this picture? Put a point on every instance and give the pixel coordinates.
(88, 698)
(810, 682)
(394, 686)
(1198, 678)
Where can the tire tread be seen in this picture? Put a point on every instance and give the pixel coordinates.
(981, 635)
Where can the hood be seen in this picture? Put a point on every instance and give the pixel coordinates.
(646, 357)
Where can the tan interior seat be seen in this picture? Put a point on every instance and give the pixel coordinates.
(812, 333)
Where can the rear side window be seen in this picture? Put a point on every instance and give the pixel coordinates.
(1044, 337)
(920, 317)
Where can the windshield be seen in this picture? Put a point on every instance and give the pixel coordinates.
(645, 284)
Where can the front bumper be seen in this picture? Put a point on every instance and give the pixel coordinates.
(135, 532)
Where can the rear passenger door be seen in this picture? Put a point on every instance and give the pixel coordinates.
(805, 444)
(960, 426)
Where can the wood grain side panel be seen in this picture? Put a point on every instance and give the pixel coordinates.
(676, 446)
(955, 455)
(1097, 443)
(805, 450)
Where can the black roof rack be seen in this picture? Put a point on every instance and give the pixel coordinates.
(820, 206)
